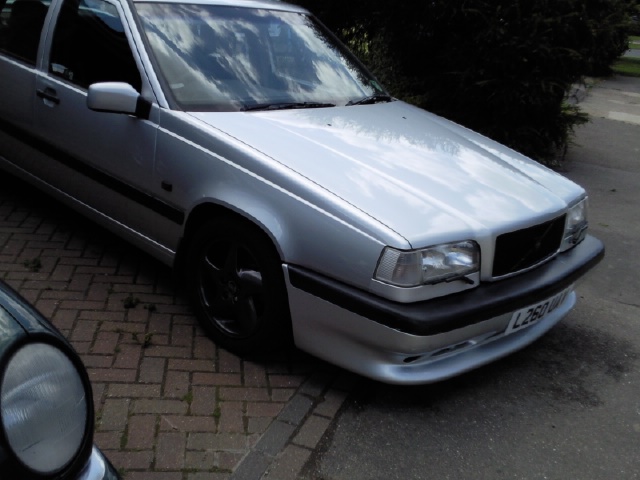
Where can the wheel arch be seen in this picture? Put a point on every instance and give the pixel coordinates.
(208, 210)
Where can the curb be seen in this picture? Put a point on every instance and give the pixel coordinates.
(286, 445)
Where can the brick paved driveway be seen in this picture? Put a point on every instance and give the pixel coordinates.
(169, 404)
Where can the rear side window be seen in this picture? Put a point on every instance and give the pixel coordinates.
(21, 24)
(90, 46)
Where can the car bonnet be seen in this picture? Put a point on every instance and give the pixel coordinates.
(416, 173)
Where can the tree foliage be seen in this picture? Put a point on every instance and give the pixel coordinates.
(502, 67)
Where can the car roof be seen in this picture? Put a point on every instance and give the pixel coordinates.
(265, 4)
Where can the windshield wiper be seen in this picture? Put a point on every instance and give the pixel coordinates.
(377, 98)
(286, 105)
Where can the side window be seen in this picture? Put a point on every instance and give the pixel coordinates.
(21, 23)
(89, 45)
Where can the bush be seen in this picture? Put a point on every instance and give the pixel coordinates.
(501, 67)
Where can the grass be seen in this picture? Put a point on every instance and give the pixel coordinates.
(627, 66)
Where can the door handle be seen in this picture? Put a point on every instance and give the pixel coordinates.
(48, 94)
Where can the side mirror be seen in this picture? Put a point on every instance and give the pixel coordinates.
(117, 97)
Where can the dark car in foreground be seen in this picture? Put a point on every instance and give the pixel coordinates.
(46, 404)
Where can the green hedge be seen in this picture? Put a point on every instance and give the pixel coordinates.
(501, 67)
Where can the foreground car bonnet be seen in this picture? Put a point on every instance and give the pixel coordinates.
(391, 158)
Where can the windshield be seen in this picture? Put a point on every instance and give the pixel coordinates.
(221, 58)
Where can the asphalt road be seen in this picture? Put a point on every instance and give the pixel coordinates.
(567, 407)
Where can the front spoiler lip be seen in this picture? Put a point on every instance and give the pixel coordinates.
(444, 314)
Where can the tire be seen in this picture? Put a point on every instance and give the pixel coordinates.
(236, 284)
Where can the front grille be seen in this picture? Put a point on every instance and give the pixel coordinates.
(519, 250)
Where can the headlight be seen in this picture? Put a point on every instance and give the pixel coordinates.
(575, 226)
(435, 264)
(45, 408)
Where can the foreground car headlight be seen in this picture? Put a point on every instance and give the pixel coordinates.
(45, 408)
(575, 226)
(435, 264)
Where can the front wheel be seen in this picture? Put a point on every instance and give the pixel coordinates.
(235, 280)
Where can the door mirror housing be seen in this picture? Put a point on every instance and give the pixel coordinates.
(117, 97)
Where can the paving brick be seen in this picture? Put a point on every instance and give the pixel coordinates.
(112, 375)
(114, 415)
(128, 460)
(64, 319)
(96, 291)
(200, 460)
(204, 348)
(176, 384)
(127, 356)
(188, 423)
(228, 460)
(191, 365)
(46, 307)
(312, 431)
(255, 375)
(228, 363)
(296, 409)
(108, 440)
(243, 393)
(61, 295)
(217, 441)
(275, 438)
(182, 336)
(152, 370)
(316, 384)
(81, 305)
(105, 342)
(118, 325)
(170, 451)
(167, 352)
(207, 476)
(101, 316)
(122, 390)
(331, 403)
(203, 401)
(289, 381)
(264, 409)
(80, 282)
(258, 424)
(219, 379)
(84, 332)
(160, 406)
(141, 432)
(97, 361)
(282, 394)
(253, 466)
(153, 476)
(289, 464)
(231, 417)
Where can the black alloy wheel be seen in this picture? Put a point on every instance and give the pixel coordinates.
(236, 282)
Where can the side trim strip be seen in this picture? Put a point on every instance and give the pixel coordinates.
(160, 207)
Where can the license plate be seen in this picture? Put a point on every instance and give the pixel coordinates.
(532, 314)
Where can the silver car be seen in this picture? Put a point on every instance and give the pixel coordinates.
(241, 143)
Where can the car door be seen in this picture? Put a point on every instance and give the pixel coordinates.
(21, 24)
(102, 160)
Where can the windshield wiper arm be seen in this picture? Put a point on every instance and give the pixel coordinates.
(284, 106)
(377, 98)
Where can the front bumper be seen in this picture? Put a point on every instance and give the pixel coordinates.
(433, 340)
(98, 467)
